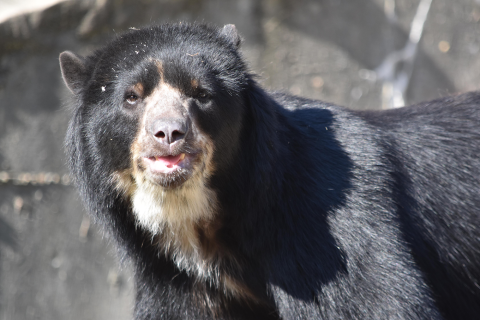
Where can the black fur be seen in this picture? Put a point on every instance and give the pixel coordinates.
(325, 213)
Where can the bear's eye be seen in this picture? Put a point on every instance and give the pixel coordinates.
(202, 95)
(131, 98)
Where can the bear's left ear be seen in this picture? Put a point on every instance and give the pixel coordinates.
(73, 70)
(229, 32)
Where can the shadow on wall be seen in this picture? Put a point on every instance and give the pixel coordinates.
(7, 235)
(368, 37)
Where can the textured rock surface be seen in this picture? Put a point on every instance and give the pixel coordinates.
(53, 263)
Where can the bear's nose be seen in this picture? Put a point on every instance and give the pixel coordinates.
(168, 131)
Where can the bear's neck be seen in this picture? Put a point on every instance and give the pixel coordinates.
(184, 224)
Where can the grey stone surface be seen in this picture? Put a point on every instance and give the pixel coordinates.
(54, 264)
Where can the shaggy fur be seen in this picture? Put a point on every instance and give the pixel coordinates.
(279, 207)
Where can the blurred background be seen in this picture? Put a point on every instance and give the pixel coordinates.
(363, 54)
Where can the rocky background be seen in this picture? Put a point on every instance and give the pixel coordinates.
(364, 54)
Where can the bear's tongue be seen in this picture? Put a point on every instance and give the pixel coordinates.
(169, 161)
(164, 164)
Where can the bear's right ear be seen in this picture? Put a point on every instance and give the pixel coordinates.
(230, 33)
(73, 70)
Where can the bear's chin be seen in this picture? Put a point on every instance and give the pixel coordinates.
(155, 205)
(169, 181)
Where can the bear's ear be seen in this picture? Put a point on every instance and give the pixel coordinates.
(229, 32)
(73, 69)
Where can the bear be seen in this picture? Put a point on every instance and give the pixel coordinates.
(232, 202)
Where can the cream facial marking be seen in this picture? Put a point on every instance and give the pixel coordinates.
(139, 89)
(173, 215)
(192, 201)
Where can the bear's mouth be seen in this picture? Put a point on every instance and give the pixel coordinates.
(165, 164)
(169, 171)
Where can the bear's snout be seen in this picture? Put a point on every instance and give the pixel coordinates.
(168, 130)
